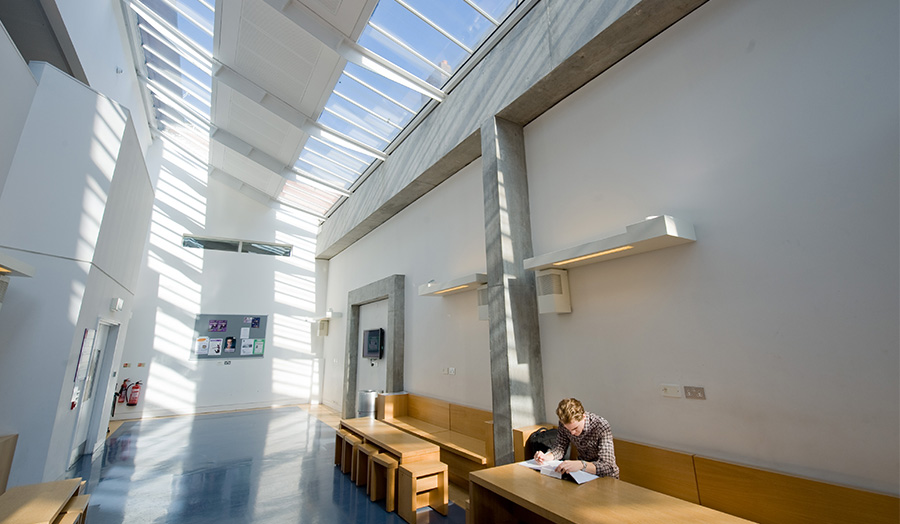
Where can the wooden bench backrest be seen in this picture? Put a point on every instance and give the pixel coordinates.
(766, 496)
(392, 405)
(7, 450)
(662, 470)
(429, 410)
(470, 421)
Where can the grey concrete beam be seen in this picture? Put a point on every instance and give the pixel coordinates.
(515, 344)
(557, 47)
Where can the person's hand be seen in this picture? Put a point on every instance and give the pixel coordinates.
(568, 466)
(540, 457)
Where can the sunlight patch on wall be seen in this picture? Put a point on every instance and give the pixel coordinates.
(75, 299)
(291, 378)
(171, 390)
(295, 291)
(174, 337)
(291, 333)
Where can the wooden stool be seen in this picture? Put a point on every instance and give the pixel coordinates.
(422, 484)
(350, 441)
(383, 479)
(363, 457)
(339, 445)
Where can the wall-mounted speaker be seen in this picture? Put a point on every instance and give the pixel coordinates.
(482, 302)
(322, 327)
(553, 291)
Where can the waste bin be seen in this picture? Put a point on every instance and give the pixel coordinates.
(365, 403)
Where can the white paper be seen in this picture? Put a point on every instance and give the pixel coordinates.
(549, 469)
(246, 346)
(245, 332)
(202, 346)
(215, 346)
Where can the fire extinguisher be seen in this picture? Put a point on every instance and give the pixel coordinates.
(123, 391)
(134, 393)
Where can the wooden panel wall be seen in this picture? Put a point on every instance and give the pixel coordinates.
(662, 470)
(769, 497)
(429, 410)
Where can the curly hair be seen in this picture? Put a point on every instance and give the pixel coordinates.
(569, 410)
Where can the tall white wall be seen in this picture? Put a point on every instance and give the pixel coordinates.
(18, 90)
(439, 237)
(76, 194)
(773, 128)
(178, 283)
(106, 55)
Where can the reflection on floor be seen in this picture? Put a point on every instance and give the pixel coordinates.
(258, 466)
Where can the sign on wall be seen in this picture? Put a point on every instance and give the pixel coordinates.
(229, 336)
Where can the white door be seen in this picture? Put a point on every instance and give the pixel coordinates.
(89, 404)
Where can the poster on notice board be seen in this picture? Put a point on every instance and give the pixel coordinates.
(229, 337)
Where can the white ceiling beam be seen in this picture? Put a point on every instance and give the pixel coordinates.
(328, 35)
(289, 113)
(269, 162)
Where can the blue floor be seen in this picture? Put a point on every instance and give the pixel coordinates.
(261, 466)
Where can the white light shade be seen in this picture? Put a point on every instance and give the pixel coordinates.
(651, 234)
(12, 267)
(439, 289)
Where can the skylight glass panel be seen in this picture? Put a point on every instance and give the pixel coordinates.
(428, 39)
(176, 37)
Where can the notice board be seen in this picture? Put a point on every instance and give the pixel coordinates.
(229, 337)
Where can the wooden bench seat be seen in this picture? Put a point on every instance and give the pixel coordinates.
(751, 493)
(464, 434)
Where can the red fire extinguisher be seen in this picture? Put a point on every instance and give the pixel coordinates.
(134, 393)
(123, 391)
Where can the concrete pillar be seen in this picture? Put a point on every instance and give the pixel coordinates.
(516, 373)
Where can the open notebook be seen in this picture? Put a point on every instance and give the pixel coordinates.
(549, 469)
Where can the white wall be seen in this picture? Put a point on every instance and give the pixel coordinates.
(18, 90)
(439, 237)
(773, 128)
(178, 283)
(103, 53)
(76, 193)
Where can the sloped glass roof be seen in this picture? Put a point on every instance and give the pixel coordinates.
(429, 39)
(176, 38)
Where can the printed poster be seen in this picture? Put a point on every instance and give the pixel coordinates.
(246, 346)
(230, 344)
(215, 346)
(203, 346)
(258, 346)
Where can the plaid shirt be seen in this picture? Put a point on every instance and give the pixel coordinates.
(595, 444)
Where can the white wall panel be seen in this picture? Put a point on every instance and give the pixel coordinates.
(773, 128)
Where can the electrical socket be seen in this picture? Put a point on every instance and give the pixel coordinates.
(444, 371)
(694, 392)
(452, 371)
(670, 390)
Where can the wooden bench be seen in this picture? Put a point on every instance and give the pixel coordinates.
(464, 434)
(751, 493)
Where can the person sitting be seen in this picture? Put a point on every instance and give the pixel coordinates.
(592, 437)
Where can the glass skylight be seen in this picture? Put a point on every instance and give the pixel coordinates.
(176, 37)
(427, 38)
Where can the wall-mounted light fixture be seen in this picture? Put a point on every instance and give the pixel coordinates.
(116, 304)
(653, 233)
(440, 289)
(10, 267)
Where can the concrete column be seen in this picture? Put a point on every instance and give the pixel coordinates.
(516, 373)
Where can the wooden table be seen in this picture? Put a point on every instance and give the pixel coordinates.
(514, 493)
(405, 447)
(36, 503)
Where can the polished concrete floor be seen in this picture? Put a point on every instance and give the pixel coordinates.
(259, 466)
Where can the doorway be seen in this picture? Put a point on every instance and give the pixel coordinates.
(92, 385)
